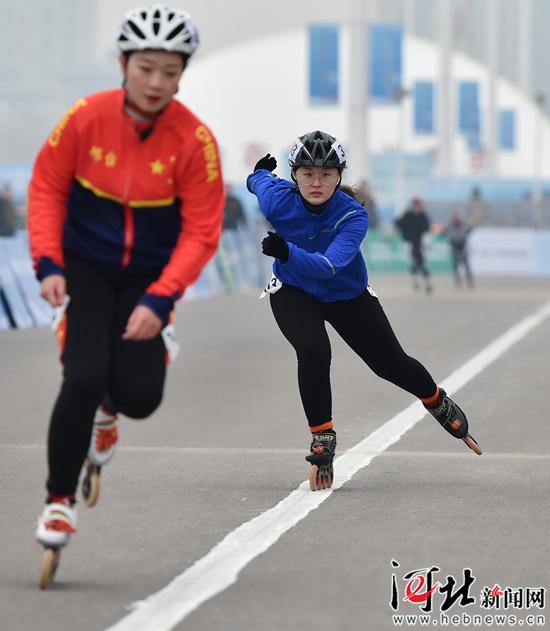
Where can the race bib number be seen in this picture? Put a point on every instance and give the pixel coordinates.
(271, 288)
(169, 338)
(298, 144)
(339, 150)
(59, 312)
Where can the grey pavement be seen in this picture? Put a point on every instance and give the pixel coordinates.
(228, 443)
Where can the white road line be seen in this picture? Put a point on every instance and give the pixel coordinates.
(220, 568)
(454, 455)
(236, 451)
(251, 451)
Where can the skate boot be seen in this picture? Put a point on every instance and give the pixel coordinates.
(447, 413)
(323, 446)
(55, 526)
(102, 449)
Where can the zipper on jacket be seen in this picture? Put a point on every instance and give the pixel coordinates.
(129, 235)
(129, 229)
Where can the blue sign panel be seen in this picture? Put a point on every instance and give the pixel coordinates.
(507, 130)
(323, 64)
(423, 107)
(386, 61)
(468, 112)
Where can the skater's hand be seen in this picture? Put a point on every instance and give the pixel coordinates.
(268, 163)
(143, 324)
(274, 245)
(53, 289)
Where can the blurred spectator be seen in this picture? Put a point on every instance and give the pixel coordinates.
(233, 214)
(413, 224)
(8, 212)
(368, 202)
(477, 214)
(458, 232)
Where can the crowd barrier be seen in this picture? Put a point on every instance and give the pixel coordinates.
(240, 266)
(20, 303)
(237, 266)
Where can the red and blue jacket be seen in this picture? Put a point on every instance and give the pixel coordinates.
(125, 201)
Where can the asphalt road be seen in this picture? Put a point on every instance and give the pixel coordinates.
(228, 444)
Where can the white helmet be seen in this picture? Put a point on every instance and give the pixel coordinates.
(158, 28)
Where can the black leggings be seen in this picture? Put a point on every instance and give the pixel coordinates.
(362, 324)
(98, 364)
(418, 264)
(460, 257)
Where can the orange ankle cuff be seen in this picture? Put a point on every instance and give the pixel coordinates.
(431, 400)
(321, 428)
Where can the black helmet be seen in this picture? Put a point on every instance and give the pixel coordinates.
(317, 149)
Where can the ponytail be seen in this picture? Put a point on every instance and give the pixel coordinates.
(355, 193)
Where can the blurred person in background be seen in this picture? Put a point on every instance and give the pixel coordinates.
(414, 227)
(477, 211)
(369, 203)
(233, 213)
(458, 232)
(8, 212)
(319, 276)
(125, 210)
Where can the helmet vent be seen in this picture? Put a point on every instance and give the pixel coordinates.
(179, 28)
(137, 31)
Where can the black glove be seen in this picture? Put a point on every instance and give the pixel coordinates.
(268, 163)
(275, 246)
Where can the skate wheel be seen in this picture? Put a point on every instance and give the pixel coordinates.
(472, 444)
(321, 477)
(90, 485)
(50, 561)
(313, 477)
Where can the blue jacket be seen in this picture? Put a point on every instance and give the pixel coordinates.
(324, 250)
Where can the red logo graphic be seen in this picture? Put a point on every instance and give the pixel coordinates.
(413, 592)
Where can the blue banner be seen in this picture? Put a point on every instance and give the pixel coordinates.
(323, 64)
(507, 129)
(386, 62)
(423, 107)
(468, 113)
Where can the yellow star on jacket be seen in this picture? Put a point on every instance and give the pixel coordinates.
(110, 159)
(96, 153)
(157, 168)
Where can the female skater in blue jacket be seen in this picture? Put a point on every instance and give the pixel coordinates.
(319, 275)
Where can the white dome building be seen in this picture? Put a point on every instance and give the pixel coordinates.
(255, 97)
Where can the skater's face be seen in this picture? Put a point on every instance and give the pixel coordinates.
(152, 78)
(317, 184)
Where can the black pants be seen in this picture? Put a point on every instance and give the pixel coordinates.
(363, 325)
(418, 264)
(97, 364)
(460, 257)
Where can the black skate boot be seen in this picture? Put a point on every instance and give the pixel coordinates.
(447, 413)
(322, 450)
